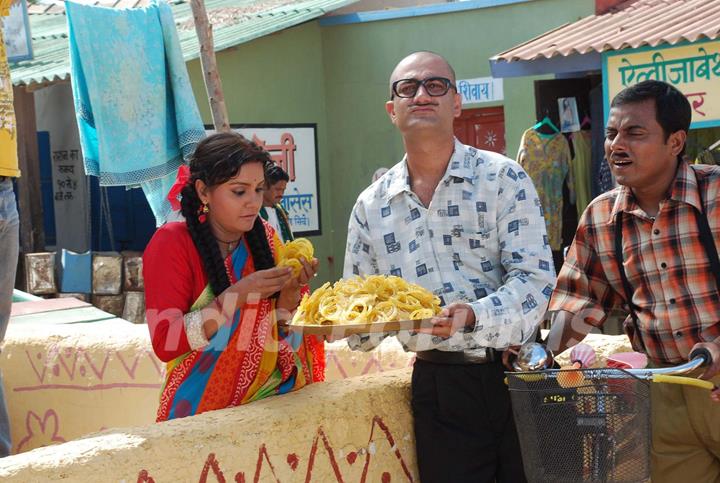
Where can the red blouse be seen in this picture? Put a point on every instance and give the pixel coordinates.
(174, 279)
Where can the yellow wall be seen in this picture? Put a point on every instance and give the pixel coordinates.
(294, 437)
(66, 381)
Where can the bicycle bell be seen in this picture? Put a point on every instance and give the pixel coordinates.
(532, 357)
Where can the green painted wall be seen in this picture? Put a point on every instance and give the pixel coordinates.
(279, 79)
(337, 77)
(358, 59)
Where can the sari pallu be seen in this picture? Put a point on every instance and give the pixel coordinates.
(248, 359)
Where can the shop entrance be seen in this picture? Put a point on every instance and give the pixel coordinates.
(482, 128)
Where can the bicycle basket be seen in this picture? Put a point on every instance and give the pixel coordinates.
(597, 430)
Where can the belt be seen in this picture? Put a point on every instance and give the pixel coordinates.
(3, 178)
(463, 358)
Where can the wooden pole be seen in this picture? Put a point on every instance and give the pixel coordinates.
(32, 233)
(213, 86)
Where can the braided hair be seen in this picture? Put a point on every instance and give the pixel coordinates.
(218, 158)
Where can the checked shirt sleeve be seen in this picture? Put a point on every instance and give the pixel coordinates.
(582, 287)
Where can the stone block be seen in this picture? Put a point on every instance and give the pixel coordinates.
(112, 304)
(107, 273)
(134, 310)
(132, 265)
(40, 273)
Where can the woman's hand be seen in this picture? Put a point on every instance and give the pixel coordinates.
(308, 271)
(258, 285)
(290, 294)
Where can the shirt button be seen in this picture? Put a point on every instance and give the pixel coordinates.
(656, 231)
(663, 265)
(672, 301)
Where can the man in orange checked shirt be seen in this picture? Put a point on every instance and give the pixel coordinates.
(650, 244)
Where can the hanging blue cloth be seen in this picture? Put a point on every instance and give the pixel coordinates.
(135, 109)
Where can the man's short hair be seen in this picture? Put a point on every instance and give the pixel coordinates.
(275, 174)
(672, 109)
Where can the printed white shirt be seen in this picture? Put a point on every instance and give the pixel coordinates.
(481, 241)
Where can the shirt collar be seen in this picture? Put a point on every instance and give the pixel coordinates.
(684, 190)
(397, 180)
(461, 165)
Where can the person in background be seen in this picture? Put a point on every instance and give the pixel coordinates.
(9, 221)
(9, 250)
(214, 296)
(650, 245)
(272, 210)
(466, 225)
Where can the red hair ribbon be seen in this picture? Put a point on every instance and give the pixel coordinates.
(183, 176)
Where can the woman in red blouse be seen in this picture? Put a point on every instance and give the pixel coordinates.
(213, 294)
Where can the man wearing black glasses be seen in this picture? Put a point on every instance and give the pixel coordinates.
(467, 225)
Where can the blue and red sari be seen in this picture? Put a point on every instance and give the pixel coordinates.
(248, 359)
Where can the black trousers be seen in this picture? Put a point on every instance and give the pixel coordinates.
(464, 428)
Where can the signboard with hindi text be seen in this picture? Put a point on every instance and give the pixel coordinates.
(694, 68)
(294, 148)
(16, 33)
(480, 89)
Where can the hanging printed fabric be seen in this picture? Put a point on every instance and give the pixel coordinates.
(546, 158)
(580, 167)
(136, 111)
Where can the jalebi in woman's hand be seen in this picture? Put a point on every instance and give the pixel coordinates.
(290, 294)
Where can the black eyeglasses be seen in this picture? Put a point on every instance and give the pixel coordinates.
(434, 86)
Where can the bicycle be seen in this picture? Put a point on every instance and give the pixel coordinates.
(590, 425)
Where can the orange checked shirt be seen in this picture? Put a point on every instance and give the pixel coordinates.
(668, 269)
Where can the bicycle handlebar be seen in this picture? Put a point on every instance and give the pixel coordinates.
(704, 353)
(689, 366)
(698, 358)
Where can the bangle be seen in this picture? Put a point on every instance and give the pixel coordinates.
(194, 330)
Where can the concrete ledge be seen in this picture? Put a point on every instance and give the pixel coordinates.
(604, 345)
(64, 381)
(357, 429)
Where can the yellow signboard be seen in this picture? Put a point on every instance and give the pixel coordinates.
(693, 68)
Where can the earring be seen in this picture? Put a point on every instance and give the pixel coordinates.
(204, 210)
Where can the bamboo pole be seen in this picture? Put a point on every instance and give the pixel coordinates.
(213, 85)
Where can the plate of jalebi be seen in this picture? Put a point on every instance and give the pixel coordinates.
(376, 303)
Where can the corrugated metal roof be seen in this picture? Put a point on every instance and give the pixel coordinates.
(234, 22)
(632, 24)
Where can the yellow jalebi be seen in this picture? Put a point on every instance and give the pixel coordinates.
(375, 298)
(290, 254)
